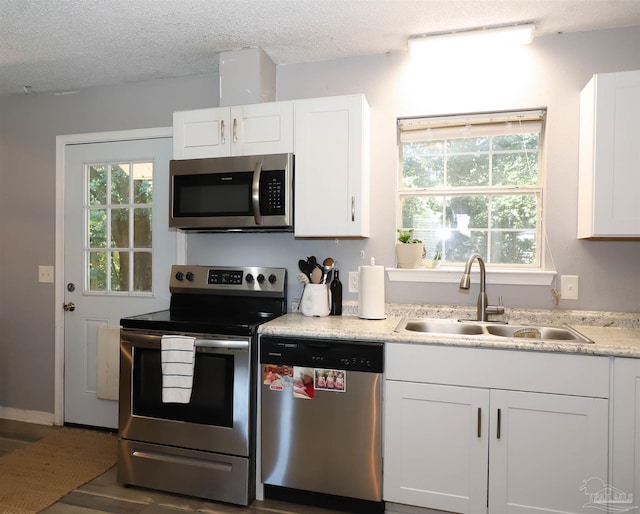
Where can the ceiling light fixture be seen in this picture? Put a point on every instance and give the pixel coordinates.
(490, 37)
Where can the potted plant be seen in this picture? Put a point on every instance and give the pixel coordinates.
(435, 262)
(409, 250)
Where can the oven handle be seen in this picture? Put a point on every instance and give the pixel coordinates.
(222, 343)
(154, 340)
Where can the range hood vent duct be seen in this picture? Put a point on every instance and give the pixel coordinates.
(247, 76)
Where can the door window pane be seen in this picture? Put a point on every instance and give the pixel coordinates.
(97, 264)
(143, 183)
(142, 227)
(120, 183)
(142, 271)
(120, 228)
(118, 214)
(120, 271)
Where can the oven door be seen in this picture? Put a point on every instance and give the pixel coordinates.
(218, 417)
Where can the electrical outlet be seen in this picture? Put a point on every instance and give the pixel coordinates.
(569, 287)
(45, 274)
(353, 281)
(295, 305)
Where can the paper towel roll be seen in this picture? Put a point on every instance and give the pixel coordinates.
(371, 291)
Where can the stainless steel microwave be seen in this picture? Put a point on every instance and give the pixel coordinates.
(248, 193)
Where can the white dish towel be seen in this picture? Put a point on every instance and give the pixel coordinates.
(178, 360)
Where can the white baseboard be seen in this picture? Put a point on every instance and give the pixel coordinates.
(28, 416)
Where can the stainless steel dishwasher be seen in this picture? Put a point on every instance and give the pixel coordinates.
(321, 418)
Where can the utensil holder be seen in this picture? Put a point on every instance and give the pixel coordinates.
(316, 300)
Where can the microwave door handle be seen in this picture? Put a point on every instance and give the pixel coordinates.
(255, 193)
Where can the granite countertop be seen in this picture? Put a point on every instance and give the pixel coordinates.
(614, 334)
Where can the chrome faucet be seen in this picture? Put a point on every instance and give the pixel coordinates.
(484, 309)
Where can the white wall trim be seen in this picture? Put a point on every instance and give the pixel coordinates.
(61, 144)
(28, 416)
(453, 275)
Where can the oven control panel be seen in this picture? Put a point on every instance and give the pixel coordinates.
(251, 280)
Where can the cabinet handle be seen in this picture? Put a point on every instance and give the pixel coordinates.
(353, 208)
(479, 422)
(499, 417)
(222, 131)
(235, 130)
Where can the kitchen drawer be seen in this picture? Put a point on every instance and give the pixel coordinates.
(558, 373)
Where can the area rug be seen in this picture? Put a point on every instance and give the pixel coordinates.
(39, 474)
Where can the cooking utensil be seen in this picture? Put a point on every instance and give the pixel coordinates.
(316, 275)
(327, 268)
(304, 267)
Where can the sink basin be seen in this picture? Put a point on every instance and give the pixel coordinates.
(443, 327)
(536, 332)
(491, 330)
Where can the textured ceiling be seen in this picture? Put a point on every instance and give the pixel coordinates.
(61, 45)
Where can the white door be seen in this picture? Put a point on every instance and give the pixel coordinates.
(550, 452)
(118, 254)
(436, 446)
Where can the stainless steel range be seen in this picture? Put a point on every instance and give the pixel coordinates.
(205, 446)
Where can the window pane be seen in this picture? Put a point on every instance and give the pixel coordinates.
(142, 271)
(422, 212)
(517, 142)
(142, 228)
(468, 170)
(120, 183)
(120, 228)
(513, 247)
(421, 168)
(142, 182)
(514, 211)
(461, 244)
(97, 271)
(120, 271)
(469, 144)
(518, 168)
(98, 184)
(97, 228)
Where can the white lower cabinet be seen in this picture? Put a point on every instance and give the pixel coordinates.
(625, 451)
(477, 449)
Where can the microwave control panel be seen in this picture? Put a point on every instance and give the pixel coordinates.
(272, 193)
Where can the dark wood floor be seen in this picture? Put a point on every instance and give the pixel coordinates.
(104, 495)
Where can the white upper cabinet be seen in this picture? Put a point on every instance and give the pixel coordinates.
(257, 129)
(332, 167)
(609, 178)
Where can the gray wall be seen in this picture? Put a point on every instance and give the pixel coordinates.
(550, 73)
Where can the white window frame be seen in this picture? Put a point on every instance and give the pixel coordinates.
(498, 274)
(108, 250)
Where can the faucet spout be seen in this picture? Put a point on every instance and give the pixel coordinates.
(465, 283)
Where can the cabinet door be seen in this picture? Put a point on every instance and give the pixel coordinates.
(546, 452)
(262, 129)
(332, 167)
(609, 185)
(625, 451)
(436, 446)
(201, 133)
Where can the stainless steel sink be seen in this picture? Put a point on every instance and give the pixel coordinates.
(491, 330)
(440, 327)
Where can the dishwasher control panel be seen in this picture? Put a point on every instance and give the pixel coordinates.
(323, 353)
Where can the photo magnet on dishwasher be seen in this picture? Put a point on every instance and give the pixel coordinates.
(371, 291)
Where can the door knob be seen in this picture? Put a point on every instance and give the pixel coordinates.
(69, 307)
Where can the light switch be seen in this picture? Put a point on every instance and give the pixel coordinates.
(569, 287)
(45, 274)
